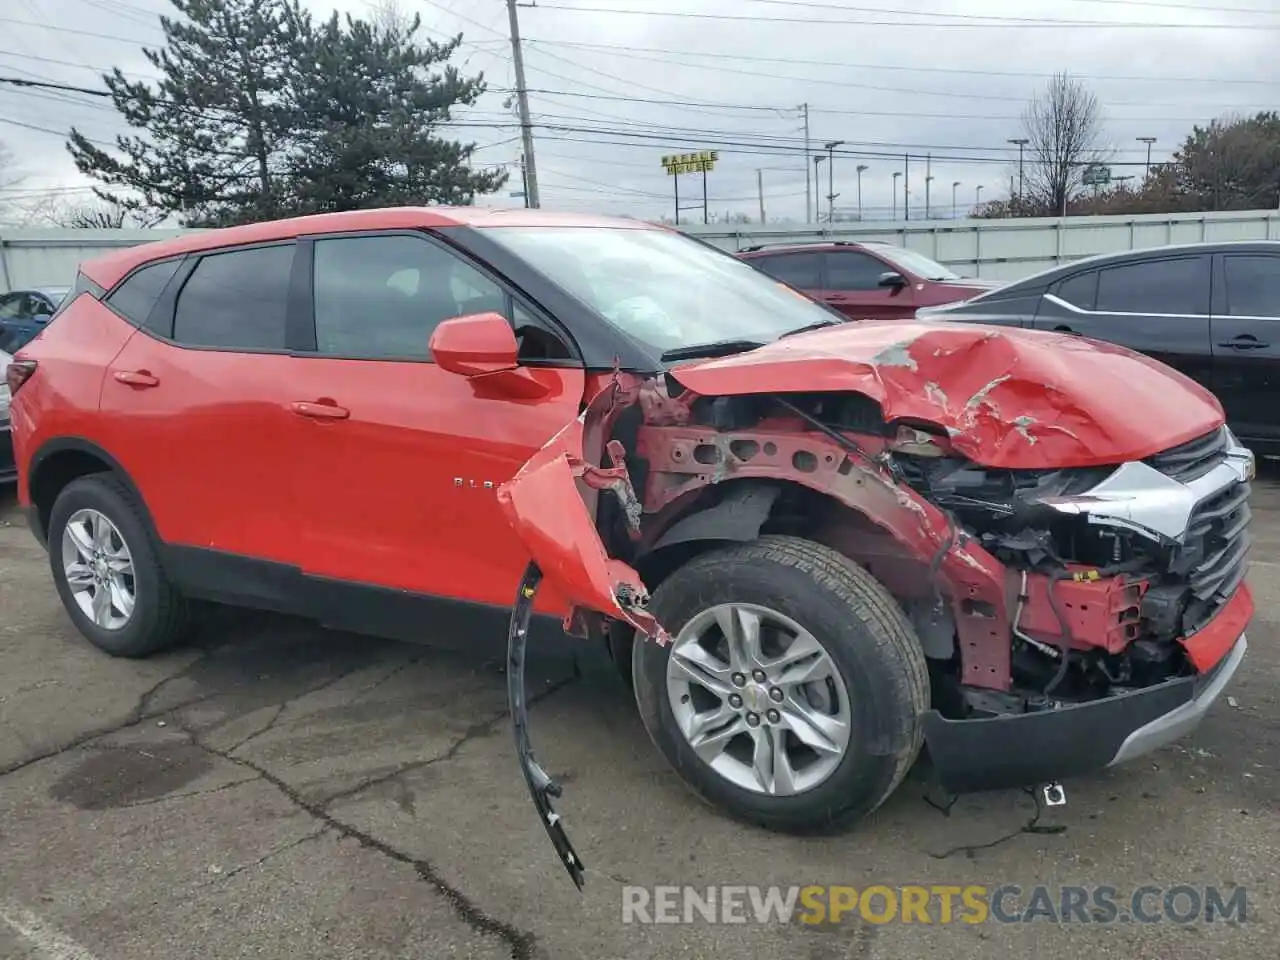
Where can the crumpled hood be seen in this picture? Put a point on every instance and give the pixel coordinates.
(1008, 397)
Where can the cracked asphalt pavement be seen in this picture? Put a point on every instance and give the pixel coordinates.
(274, 790)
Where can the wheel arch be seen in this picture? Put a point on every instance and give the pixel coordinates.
(64, 459)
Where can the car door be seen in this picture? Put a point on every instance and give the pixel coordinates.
(1158, 306)
(195, 410)
(1246, 342)
(399, 459)
(851, 285)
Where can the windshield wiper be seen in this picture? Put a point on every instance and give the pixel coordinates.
(816, 325)
(718, 348)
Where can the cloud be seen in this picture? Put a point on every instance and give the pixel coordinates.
(612, 92)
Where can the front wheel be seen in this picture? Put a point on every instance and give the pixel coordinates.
(792, 692)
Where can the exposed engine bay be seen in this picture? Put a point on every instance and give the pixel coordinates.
(1053, 565)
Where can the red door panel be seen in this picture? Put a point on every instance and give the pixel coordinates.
(401, 491)
(209, 441)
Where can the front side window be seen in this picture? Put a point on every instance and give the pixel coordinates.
(1253, 285)
(236, 300)
(382, 297)
(854, 271)
(660, 287)
(1178, 286)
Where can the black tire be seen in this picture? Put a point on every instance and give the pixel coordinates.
(863, 630)
(160, 612)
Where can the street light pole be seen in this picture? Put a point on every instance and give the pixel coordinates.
(831, 178)
(928, 181)
(893, 215)
(955, 210)
(977, 196)
(861, 167)
(817, 179)
(1148, 141)
(1021, 142)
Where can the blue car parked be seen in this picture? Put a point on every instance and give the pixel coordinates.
(24, 312)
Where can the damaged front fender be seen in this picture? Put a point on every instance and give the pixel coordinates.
(550, 504)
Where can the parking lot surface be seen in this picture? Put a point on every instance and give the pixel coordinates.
(274, 790)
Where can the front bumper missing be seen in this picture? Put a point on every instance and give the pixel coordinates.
(1012, 751)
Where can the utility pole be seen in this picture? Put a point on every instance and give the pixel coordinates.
(861, 167)
(955, 210)
(928, 180)
(522, 95)
(977, 196)
(831, 178)
(817, 162)
(906, 187)
(893, 210)
(524, 181)
(760, 189)
(1148, 141)
(808, 190)
(1021, 142)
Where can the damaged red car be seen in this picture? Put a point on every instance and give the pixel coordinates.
(811, 547)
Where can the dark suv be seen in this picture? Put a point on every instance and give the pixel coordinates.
(868, 280)
(1211, 310)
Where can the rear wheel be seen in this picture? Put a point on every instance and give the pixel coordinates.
(792, 692)
(106, 571)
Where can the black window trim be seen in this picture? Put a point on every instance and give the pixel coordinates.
(104, 296)
(1139, 261)
(1220, 303)
(306, 325)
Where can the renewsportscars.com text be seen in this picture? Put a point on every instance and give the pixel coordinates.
(935, 904)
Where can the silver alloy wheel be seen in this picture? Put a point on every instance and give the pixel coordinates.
(98, 568)
(759, 699)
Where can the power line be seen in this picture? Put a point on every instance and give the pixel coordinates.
(1009, 22)
(897, 11)
(848, 64)
(83, 33)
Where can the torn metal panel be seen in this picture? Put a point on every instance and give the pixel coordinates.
(1007, 397)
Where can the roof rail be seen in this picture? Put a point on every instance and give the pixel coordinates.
(803, 243)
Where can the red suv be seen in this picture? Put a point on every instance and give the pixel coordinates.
(868, 280)
(809, 545)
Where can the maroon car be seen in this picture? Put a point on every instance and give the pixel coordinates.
(865, 280)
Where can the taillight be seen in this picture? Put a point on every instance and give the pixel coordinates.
(18, 373)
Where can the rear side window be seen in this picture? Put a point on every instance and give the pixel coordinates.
(237, 300)
(134, 298)
(1253, 286)
(1079, 291)
(798, 269)
(1179, 286)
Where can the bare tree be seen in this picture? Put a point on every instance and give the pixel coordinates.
(1063, 128)
(53, 210)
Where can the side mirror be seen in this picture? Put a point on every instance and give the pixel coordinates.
(475, 345)
(892, 279)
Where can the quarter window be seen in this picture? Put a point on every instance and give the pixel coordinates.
(801, 270)
(1253, 286)
(1079, 291)
(236, 300)
(854, 271)
(1178, 286)
(135, 297)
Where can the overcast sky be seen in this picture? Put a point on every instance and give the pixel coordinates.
(613, 91)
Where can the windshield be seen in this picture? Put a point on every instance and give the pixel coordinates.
(916, 263)
(662, 288)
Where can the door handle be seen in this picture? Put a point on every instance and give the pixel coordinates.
(1244, 342)
(1062, 328)
(137, 378)
(320, 411)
